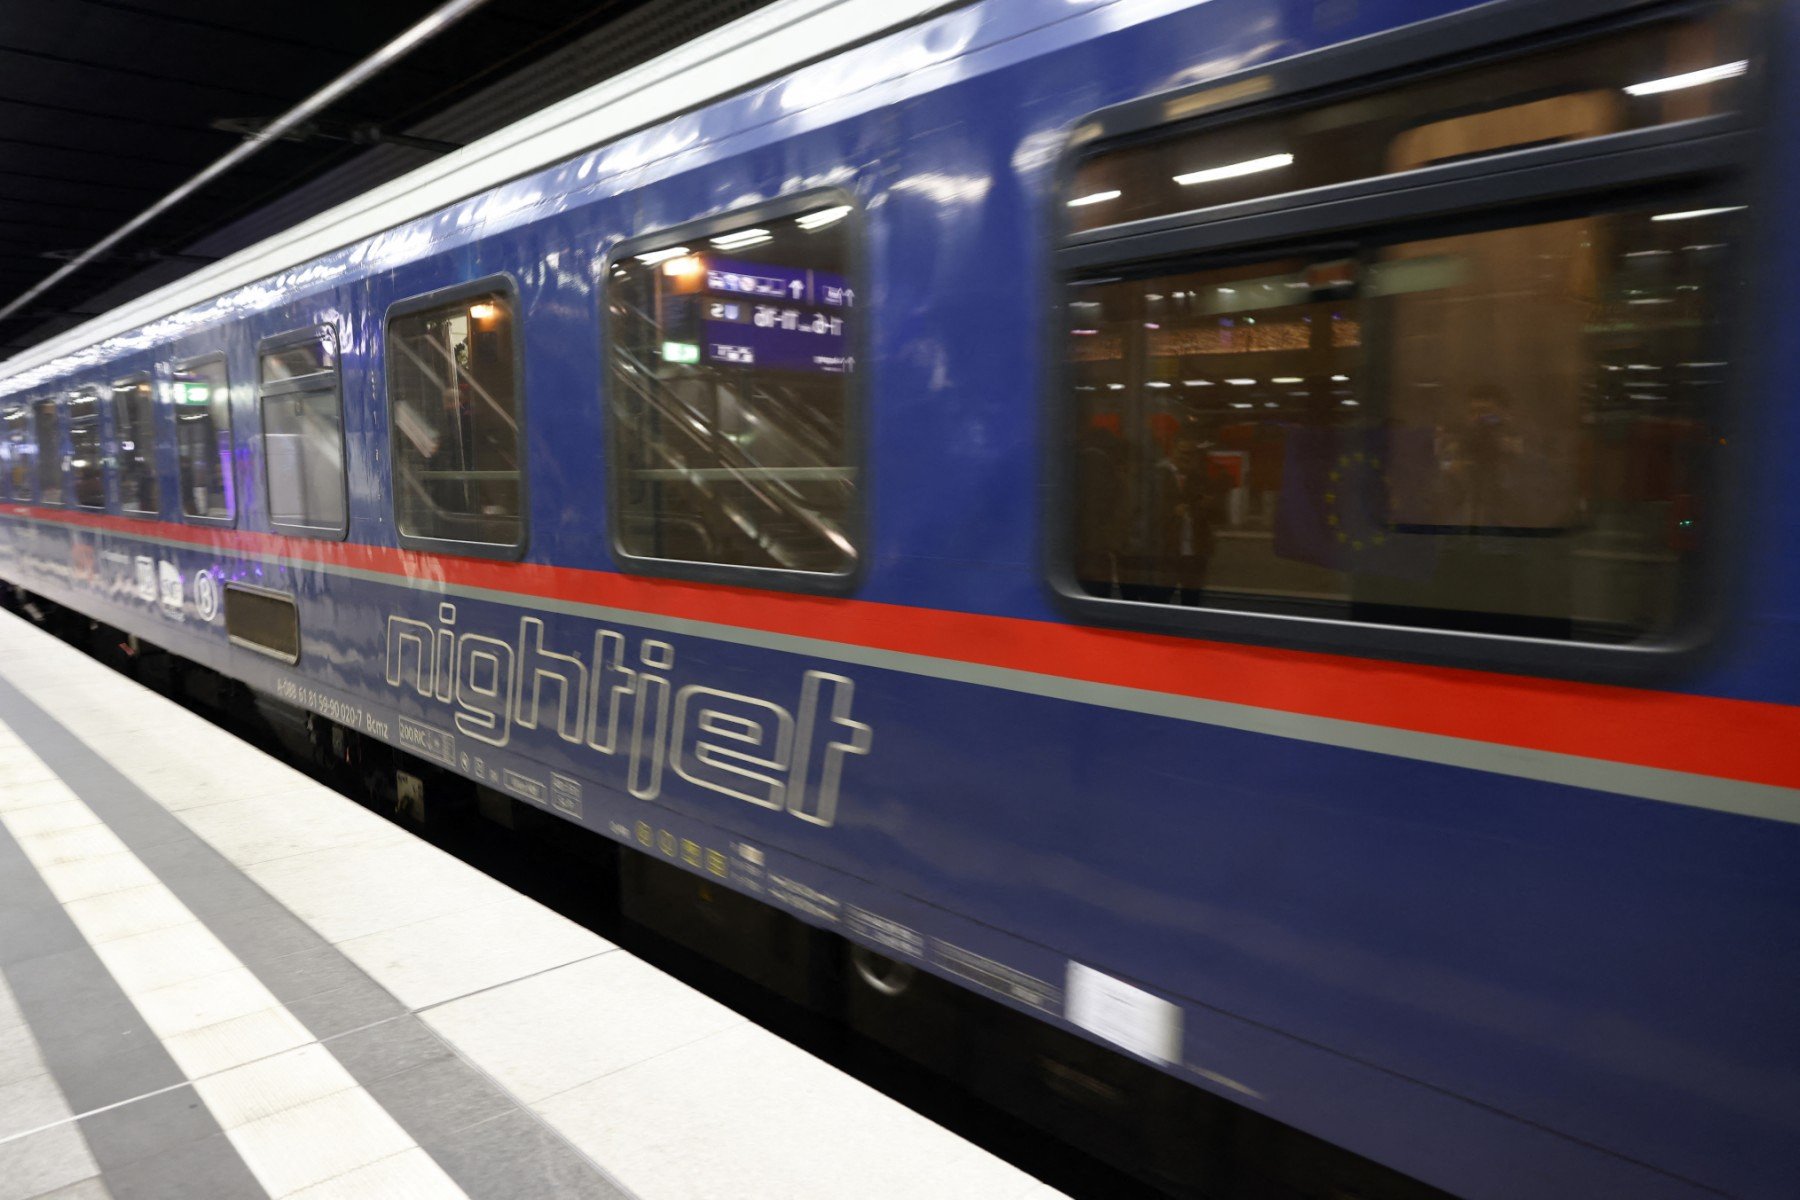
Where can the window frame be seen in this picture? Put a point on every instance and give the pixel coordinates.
(230, 520)
(856, 524)
(1707, 156)
(504, 283)
(132, 378)
(6, 465)
(44, 498)
(101, 394)
(288, 387)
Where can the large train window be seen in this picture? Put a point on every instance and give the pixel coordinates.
(1472, 382)
(87, 464)
(47, 433)
(732, 359)
(134, 431)
(303, 434)
(202, 404)
(15, 450)
(454, 404)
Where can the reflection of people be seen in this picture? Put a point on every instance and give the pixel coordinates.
(1197, 512)
(1100, 516)
(1180, 514)
(1490, 450)
(1478, 463)
(1166, 510)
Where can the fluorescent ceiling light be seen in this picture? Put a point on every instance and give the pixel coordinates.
(740, 239)
(1674, 83)
(656, 256)
(1691, 213)
(823, 217)
(1287, 379)
(1241, 382)
(1249, 166)
(1095, 198)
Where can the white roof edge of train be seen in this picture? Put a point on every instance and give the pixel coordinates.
(755, 47)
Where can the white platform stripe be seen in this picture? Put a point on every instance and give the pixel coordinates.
(296, 1116)
(40, 1146)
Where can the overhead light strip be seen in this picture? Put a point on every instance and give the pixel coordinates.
(1675, 83)
(1250, 166)
(435, 23)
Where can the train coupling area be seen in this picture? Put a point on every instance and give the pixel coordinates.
(219, 978)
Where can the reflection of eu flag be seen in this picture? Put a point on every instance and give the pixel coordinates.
(1335, 509)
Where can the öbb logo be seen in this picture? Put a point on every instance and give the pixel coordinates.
(623, 706)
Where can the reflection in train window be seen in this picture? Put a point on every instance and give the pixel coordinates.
(50, 457)
(731, 357)
(298, 360)
(15, 451)
(303, 436)
(87, 467)
(202, 395)
(1502, 430)
(134, 430)
(454, 402)
(1658, 74)
(1498, 422)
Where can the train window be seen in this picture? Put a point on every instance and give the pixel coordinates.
(202, 395)
(134, 430)
(15, 451)
(87, 466)
(48, 435)
(454, 404)
(303, 435)
(1498, 423)
(731, 355)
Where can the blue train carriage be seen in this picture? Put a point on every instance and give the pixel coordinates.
(1251, 531)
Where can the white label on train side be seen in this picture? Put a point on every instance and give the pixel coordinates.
(169, 575)
(1128, 1016)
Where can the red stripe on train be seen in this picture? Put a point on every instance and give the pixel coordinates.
(1734, 739)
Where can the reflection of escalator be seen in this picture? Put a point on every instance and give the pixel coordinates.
(732, 474)
(458, 436)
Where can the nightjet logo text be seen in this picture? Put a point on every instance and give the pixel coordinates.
(620, 703)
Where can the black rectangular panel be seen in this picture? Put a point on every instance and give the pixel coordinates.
(263, 621)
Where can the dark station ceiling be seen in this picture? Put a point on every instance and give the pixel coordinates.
(108, 105)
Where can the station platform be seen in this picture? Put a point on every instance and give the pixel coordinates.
(219, 978)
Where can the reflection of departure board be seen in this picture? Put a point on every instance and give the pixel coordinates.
(779, 318)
